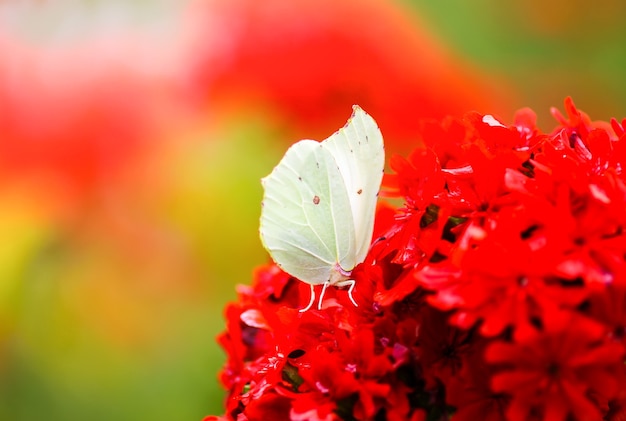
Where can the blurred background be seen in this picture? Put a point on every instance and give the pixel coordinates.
(133, 136)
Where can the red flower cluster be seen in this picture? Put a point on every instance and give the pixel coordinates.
(497, 292)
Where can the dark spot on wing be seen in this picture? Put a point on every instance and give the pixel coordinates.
(318, 164)
(300, 178)
(316, 200)
(359, 191)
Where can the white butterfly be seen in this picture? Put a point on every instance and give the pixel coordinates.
(317, 215)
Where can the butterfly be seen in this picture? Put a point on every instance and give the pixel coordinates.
(317, 216)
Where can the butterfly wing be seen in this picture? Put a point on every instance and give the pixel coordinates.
(360, 155)
(306, 219)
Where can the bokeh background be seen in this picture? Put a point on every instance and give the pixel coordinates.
(133, 136)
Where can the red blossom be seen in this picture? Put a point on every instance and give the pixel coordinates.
(441, 347)
(617, 408)
(470, 391)
(497, 291)
(555, 368)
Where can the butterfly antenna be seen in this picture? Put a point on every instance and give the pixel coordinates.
(310, 302)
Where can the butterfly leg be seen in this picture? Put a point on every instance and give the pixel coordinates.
(310, 302)
(350, 284)
(319, 304)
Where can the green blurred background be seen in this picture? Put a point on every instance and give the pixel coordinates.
(133, 136)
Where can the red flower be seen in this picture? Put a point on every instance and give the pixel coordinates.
(497, 290)
(488, 284)
(554, 369)
(269, 406)
(441, 347)
(608, 306)
(617, 408)
(470, 390)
